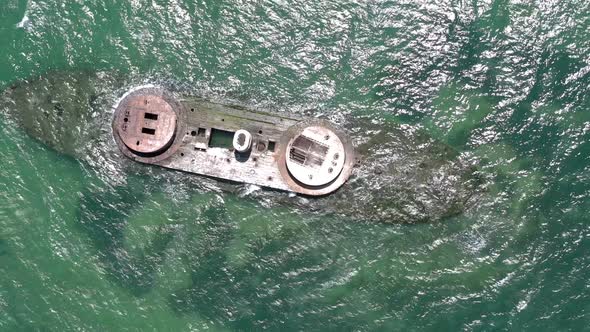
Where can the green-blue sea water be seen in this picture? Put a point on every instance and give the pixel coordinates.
(505, 80)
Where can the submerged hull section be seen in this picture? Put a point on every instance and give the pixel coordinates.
(391, 173)
(65, 110)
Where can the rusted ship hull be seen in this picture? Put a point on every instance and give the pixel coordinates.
(393, 173)
(280, 151)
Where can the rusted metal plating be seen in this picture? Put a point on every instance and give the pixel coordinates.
(307, 156)
(148, 124)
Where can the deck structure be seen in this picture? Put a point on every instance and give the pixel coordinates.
(307, 156)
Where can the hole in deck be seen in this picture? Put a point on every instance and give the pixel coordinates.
(148, 131)
(221, 139)
(150, 116)
(308, 152)
(241, 139)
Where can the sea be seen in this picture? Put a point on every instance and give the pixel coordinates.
(506, 81)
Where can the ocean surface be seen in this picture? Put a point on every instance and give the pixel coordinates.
(506, 81)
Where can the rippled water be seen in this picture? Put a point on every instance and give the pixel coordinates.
(507, 81)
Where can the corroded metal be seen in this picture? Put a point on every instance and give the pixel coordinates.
(315, 157)
(311, 157)
(348, 159)
(130, 120)
(146, 123)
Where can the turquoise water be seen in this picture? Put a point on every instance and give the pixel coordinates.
(507, 81)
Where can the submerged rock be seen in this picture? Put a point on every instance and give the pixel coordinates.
(401, 174)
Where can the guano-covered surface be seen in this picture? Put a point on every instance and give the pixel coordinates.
(92, 245)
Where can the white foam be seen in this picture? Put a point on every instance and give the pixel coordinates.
(131, 91)
(24, 22)
(248, 189)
